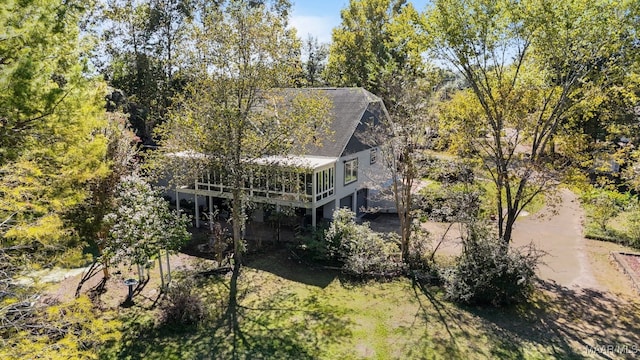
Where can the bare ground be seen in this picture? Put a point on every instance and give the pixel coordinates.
(112, 293)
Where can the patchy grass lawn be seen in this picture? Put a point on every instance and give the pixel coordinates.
(290, 311)
(605, 268)
(490, 202)
(616, 232)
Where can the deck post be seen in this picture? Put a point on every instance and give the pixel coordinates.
(195, 200)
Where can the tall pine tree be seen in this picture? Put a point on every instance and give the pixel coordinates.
(50, 110)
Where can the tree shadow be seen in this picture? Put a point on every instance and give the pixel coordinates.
(275, 324)
(450, 320)
(570, 323)
(558, 322)
(280, 263)
(88, 275)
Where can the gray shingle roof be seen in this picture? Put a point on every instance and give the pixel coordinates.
(351, 107)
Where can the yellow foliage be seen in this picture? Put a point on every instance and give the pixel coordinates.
(85, 331)
(8, 301)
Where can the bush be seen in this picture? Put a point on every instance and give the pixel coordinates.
(633, 226)
(452, 203)
(602, 205)
(181, 306)
(361, 251)
(488, 272)
(312, 245)
(448, 171)
(421, 259)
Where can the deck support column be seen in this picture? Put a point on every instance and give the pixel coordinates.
(195, 201)
(354, 202)
(210, 211)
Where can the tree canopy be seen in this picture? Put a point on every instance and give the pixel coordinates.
(143, 53)
(376, 40)
(141, 225)
(50, 109)
(527, 65)
(236, 112)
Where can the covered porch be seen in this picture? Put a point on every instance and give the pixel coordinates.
(304, 183)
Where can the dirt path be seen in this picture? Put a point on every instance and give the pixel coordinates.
(560, 235)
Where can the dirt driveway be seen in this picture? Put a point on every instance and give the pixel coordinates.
(569, 260)
(559, 234)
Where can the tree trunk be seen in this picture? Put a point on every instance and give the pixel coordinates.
(161, 272)
(232, 309)
(508, 228)
(105, 262)
(168, 269)
(406, 222)
(105, 270)
(140, 273)
(237, 226)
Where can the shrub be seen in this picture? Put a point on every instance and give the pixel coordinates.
(448, 171)
(602, 205)
(361, 251)
(70, 330)
(312, 245)
(452, 203)
(488, 272)
(182, 306)
(633, 226)
(421, 259)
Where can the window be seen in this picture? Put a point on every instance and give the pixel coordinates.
(309, 183)
(373, 156)
(331, 181)
(350, 171)
(324, 183)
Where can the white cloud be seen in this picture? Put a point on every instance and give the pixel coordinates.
(318, 26)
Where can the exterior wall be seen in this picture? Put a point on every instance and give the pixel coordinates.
(379, 183)
(327, 210)
(365, 168)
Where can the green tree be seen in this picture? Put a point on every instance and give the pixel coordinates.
(404, 135)
(633, 226)
(74, 329)
(121, 157)
(145, 46)
(376, 40)
(316, 58)
(526, 64)
(234, 114)
(245, 50)
(141, 225)
(50, 111)
(604, 204)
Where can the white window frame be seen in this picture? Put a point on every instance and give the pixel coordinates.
(350, 171)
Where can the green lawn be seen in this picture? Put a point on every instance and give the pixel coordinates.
(489, 187)
(289, 311)
(617, 229)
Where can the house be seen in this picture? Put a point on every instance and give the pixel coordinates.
(333, 175)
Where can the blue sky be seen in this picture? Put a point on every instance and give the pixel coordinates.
(318, 17)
